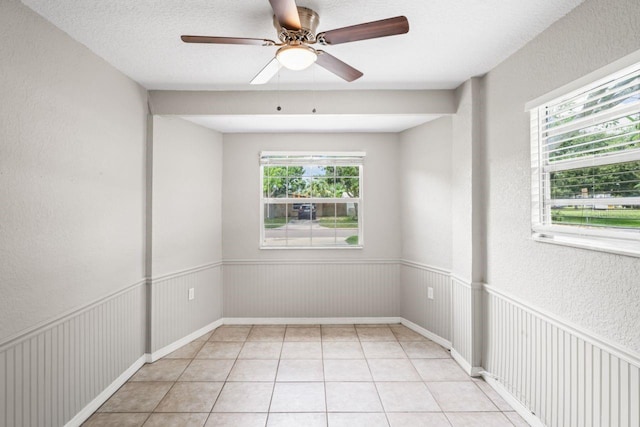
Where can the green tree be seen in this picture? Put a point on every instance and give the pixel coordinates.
(618, 180)
(280, 181)
(346, 179)
(618, 134)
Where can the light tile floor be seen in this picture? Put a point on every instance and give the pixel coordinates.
(306, 376)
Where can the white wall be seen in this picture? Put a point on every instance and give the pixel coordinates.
(467, 245)
(241, 193)
(466, 204)
(597, 291)
(187, 195)
(425, 216)
(425, 183)
(315, 282)
(72, 222)
(186, 234)
(72, 180)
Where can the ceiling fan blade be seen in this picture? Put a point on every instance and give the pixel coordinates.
(337, 67)
(369, 30)
(267, 73)
(227, 40)
(286, 12)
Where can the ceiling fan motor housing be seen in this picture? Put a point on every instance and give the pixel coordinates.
(309, 21)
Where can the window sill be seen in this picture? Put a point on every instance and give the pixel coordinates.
(305, 248)
(613, 246)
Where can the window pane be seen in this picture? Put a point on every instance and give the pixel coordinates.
(314, 170)
(597, 216)
(619, 134)
(348, 171)
(292, 182)
(300, 227)
(338, 224)
(304, 219)
(586, 168)
(322, 187)
(602, 182)
(274, 181)
(299, 187)
(311, 224)
(349, 187)
(276, 218)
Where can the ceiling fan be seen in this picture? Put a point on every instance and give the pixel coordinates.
(296, 28)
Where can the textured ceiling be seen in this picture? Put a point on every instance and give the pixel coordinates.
(448, 42)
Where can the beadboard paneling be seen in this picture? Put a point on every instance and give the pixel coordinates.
(466, 306)
(432, 314)
(311, 289)
(566, 377)
(173, 316)
(50, 374)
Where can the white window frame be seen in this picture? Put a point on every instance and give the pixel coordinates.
(307, 158)
(624, 242)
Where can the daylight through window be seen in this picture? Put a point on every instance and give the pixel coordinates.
(586, 165)
(311, 200)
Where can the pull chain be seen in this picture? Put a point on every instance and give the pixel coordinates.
(279, 108)
(314, 91)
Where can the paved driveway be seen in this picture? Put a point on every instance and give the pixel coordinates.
(300, 232)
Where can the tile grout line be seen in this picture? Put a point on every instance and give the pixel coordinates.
(396, 339)
(226, 378)
(324, 381)
(275, 378)
(375, 385)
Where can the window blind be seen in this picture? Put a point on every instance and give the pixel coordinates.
(586, 157)
(276, 158)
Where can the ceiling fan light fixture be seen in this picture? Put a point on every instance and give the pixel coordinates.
(296, 57)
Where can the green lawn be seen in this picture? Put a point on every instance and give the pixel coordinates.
(625, 218)
(352, 240)
(274, 222)
(338, 222)
(327, 222)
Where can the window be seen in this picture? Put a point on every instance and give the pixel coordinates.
(586, 166)
(311, 200)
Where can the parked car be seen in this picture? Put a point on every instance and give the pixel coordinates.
(307, 211)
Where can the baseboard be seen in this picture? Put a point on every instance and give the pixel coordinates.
(310, 320)
(93, 406)
(522, 410)
(426, 333)
(473, 371)
(89, 409)
(159, 354)
(337, 321)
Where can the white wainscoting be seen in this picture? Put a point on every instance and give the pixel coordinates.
(173, 315)
(305, 289)
(566, 376)
(466, 324)
(432, 315)
(51, 373)
(62, 371)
